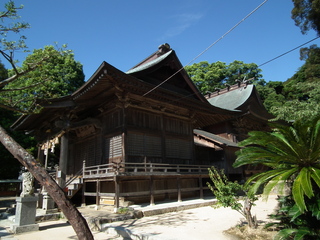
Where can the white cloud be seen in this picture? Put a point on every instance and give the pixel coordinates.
(180, 23)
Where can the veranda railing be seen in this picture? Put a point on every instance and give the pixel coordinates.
(140, 168)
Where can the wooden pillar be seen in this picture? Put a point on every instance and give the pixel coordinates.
(151, 191)
(83, 202)
(179, 189)
(117, 193)
(201, 187)
(41, 155)
(98, 193)
(63, 161)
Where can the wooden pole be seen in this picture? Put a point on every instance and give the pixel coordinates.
(151, 191)
(201, 187)
(117, 193)
(63, 161)
(179, 189)
(97, 194)
(83, 202)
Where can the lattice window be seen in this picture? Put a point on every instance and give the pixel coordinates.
(89, 150)
(144, 145)
(113, 147)
(178, 148)
(135, 145)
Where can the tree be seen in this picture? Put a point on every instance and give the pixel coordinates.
(26, 159)
(228, 195)
(271, 94)
(209, 77)
(59, 75)
(298, 97)
(293, 155)
(306, 15)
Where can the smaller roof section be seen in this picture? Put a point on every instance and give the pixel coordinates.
(241, 96)
(231, 98)
(215, 138)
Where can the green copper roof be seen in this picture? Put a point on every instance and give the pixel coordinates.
(233, 99)
(149, 64)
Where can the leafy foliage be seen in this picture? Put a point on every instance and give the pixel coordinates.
(207, 77)
(290, 221)
(10, 14)
(306, 14)
(228, 194)
(292, 153)
(299, 96)
(57, 74)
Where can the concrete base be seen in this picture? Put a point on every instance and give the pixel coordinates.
(25, 228)
(47, 202)
(25, 215)
(26, 210)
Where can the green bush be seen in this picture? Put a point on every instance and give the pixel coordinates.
(228, 195)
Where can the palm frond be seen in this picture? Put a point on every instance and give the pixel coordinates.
(315, 175)
(305, 176)
(298, 194)
(278, 181)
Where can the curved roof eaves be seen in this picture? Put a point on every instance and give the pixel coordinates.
(149, 64)
(232, 100)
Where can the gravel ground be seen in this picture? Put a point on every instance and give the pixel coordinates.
(199, 223)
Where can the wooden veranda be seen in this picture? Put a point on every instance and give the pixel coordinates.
(117, 181)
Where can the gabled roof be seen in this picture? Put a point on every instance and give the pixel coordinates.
(243, 97)
(163, 69)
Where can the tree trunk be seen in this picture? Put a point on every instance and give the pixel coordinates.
(75, 218)
(252, 221)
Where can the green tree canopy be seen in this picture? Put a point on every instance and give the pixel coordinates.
(306, 15)
(57, 74)
(297, 97)
(208, 77)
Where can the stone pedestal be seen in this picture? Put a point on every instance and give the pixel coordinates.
(47, 202)
(25, 215)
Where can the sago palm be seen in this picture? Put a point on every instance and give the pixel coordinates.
(293, 155)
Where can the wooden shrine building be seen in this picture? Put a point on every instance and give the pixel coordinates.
(141, 135)
(220, 140)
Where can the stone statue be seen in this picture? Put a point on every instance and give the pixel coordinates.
(27, 185)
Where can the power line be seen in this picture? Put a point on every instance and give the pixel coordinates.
(288, 52)
(258, 66)
(230, 30)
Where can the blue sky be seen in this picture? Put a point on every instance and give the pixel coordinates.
(123, 33)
